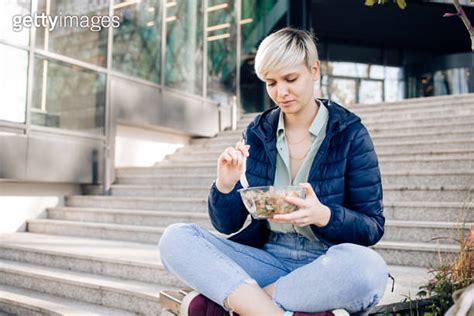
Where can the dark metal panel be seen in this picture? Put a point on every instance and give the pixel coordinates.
(143, 104)
(59, 158)
(416, 33)
(463, 60)
(12, 155)
(299, 14)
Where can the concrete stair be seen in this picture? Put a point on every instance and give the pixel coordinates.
(98, 255)
(438, 145)
(18, 301)
(131, 296)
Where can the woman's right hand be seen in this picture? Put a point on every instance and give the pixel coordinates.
(230, 165)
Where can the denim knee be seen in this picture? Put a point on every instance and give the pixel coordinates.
(173, 235)
(371, 273)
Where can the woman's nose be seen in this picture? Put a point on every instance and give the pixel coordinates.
(282, 90)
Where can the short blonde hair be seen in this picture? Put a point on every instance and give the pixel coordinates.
(286, 47)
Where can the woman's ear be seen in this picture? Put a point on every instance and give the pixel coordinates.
(316, 70)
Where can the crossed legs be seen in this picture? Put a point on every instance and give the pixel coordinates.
(253, 282)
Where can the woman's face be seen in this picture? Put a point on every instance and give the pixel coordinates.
(292, 88)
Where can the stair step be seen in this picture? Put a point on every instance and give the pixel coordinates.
(411, 126)
(434, 211)
(448, 132)
(190, 171)
(154, 218)
(160, 191)
(452, 193)
(425, 255)
(375, 119)
(434, 103)
(388, 124)
(390, 178)
(212, 157)
(425, 147)
(176, 180)
(427, 177)
(395, 230)
(131, 233)
(128, 217)
(209, 169)
(96, 230)
(118, 259)
(427, 232)
(400, 210)
(385, 147)
(172, 300)
(420, 102)
(132, 296)
(392, 192)
(408, 104)
(19, 301)
(143, 203)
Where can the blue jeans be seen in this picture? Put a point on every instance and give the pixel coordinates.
(309, 276)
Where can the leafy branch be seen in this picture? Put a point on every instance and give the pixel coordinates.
(401, 3)
(462, 15)
(459, 12)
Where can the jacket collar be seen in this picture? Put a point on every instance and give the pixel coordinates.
(266, 124)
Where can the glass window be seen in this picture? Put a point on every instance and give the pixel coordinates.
(343, 91)
(257, 20)
(393, 85)
(441, 82)
(13, 83)
(370, 91)
(458, 79)
(348, 69)
(80, 32)
(221, 50)
(376, 72)
(11, 27)
(324, 86)
(68, 97)
(137, 42)
(184, 46)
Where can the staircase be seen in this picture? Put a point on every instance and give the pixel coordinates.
(98, 255)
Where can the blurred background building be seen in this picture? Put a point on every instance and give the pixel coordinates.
(77, 103)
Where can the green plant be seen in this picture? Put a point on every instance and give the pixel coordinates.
(453, 273)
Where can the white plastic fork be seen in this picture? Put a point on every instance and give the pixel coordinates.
(243, 177)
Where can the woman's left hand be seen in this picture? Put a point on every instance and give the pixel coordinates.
(311, 210)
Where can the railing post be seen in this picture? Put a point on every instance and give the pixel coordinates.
(233, 113)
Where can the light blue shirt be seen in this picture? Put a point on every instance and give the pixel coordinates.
(317, 131)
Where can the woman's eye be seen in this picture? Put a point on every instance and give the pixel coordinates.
(271, 84)
(291, 80)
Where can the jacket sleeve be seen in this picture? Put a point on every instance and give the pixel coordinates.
(360, 219)
(226, 210)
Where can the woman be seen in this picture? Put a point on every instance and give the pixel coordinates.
(314, 259)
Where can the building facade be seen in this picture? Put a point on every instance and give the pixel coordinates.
(124, 82)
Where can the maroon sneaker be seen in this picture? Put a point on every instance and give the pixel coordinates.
(313, 314)
(195, 304)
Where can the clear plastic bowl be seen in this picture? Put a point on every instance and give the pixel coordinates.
(266, 201)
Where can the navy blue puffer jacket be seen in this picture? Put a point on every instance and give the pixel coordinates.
(344, 175)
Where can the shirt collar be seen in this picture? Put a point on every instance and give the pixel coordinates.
(316, 126)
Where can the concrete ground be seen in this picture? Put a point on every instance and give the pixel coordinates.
(407, 283)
